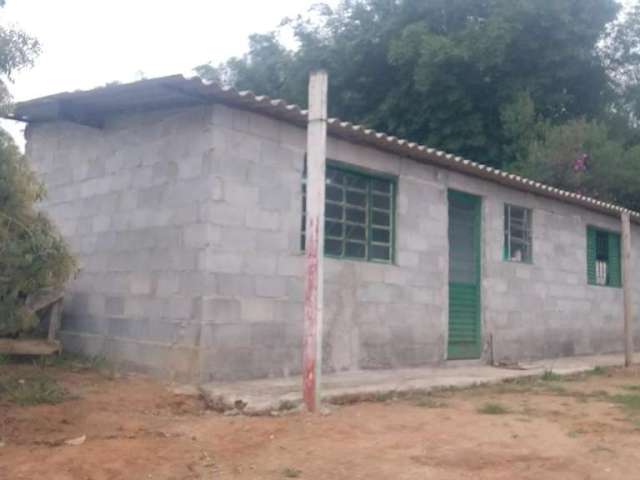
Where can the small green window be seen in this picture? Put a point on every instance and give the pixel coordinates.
(603, 257)
(517, 234)
(359, 214)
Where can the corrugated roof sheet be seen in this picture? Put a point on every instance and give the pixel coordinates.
(91, 106)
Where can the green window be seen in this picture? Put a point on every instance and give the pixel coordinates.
(517, 234)
(603, 257)
(359, 214)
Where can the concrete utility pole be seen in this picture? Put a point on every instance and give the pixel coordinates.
(627, 286)
(314, 239)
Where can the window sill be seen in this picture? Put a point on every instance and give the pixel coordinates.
(603, 286)
(359, 260)
(518, 262)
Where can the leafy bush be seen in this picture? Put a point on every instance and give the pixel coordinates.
(33, 255)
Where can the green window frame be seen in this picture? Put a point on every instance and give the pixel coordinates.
(359, 213)
(518, 238)
(603, 257)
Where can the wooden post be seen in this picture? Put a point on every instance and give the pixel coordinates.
(627, 285)
(314, 239)
(54, 320)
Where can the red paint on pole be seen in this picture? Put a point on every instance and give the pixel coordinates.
(310, 316)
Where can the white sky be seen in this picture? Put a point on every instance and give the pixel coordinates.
(87, 43)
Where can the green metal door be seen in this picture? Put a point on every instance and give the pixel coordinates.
(464, 276)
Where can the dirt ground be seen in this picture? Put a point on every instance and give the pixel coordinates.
(585, 427)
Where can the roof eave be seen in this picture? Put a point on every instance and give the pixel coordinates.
(91, 106)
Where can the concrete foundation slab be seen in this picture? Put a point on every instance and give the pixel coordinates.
(260, 397)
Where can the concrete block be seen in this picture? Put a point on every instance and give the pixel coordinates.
(267, 335)
(189, 167)
(288, 311)
(407, 259)
(146, 306)
(232, 285)
(96, 305)
(114, 306)
(262, 220)
(257, 310)
(222, 214)
(241, 195)
(271, 286)
(179, 307)
(83, 324)
(77, 302)
(201, 235)
(415, 242)
(262, 126)
(181, 216)
(188, 192)
(259, 264)
(233, 334)
(244, 145)
(221, 262)
(293, 137)
(220, 310)
(378, 292)
(198, 283)
(142, 177)
(295, 289)
(291, 265)
(239, 239)
(151, 197)
(272, 242)
(227, 364)
(221, 115)
(168, 283)
(165, 171)
(140, 283)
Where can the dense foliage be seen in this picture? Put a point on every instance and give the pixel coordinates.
(497, 81)
(33, 256)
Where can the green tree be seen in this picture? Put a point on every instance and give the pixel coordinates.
(17, 51)
(621, 54)
(442, 72)
(33, 256)
(612, 170)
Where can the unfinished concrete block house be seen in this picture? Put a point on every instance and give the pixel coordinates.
(185, 204)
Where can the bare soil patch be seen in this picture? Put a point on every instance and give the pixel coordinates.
(583, 427)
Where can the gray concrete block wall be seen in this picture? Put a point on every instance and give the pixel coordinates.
(376, 316)
(128, 198)
(187, 224)
(545, 309)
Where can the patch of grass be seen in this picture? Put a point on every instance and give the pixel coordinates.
(5, 359)
(601, 449)
(291, 472)
(286, 405)
(598, 370)
(73, 361)
(557, 389)
(492, 408)
(551, 376)
(635, 422)
(351, 399)
(633, 388)
(512, 387)
(599, 394)
(629, 401)
(33, 390)
(428, 402)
